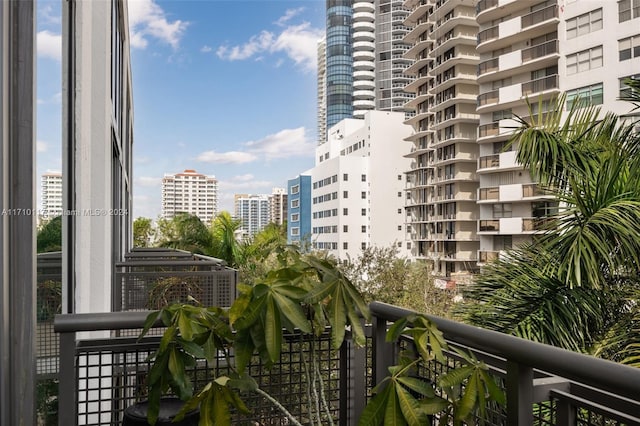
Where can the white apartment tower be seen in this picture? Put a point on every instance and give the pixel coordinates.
(254, 210)
(442, 181)
(190, 192)
(51, 183)
(278, 205)
(358, 186)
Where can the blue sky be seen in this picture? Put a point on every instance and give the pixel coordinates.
(224, 87)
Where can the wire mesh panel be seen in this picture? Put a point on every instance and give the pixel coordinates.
(153, 283)
(112, 374)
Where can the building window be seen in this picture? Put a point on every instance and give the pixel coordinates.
(363, 246)
(364, 212)
(295, 231)
(625, 10)
(345, 246)
(584, 24)
(399, 227)
(345, 211)
(502, 210)
(364, 195)
(334, 178)
(295, 204)
(364, 228)
(625, 91)
(400, 211)
(345, 177)
(502, 242)
(583, 61)
(334, 212)
(588, 95)
(295, 217)
(295, 189)
(334, 246)
(364, 178)
(629, 48)
(399, 193)
(345, 194)
(345, 228)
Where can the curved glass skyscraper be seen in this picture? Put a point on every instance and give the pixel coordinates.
(339, 61)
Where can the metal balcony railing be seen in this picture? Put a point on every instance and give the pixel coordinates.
(540, 50)
(491, 129)
(488, 34)
(492, 193)
(540, 85)
(102, 375)
(489, 225)
(489, 161)
(539, 16)
(488, 98)
(485, 4)
(487, 256)
(488, 66)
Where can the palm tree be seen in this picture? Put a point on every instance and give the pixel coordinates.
(575, 286)
(185, 232)
(225, 245)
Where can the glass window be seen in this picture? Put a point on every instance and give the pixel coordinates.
(345, 177)
(345, 245)
(589, 95)
(295, 204)
(345, 228)
(502, 210)
(295, 189)
(364, 212)
(295, 217)
(364, 228)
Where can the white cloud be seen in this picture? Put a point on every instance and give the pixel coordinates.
(41, 146)
(284, 144)
(243, 182)
(148, 181)
(298, 42)
(230, 157)
(49, 45)
(47, 15)
(206, 49)
(290, 13)
(148, 19)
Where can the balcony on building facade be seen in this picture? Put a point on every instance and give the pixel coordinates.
(486, 256)
(485, 4)
(489, 161)
(488, 98)
(489, 225)
(486, 194)
(488, 66)
(534, 190)
(539, 51)
(539, 16)
(543, 84)
(488, 34)
(535, 224)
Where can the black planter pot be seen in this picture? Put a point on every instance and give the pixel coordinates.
(136, 415)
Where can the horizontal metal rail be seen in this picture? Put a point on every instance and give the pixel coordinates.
(606, 375)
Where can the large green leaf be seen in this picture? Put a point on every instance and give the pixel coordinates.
(292, 311)
(410, 408)
(456, 376)
(373, 413)
(393, 413)
(420, 386)
(273, 330)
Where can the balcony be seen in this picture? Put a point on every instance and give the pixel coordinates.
(539, 16)
(488, 98)
(488, 66)
(533, 190)
(489, 161)
(491, 129)
(540, 51)
(488, 34)
(487, 256)
(485, 4)
(489, 226)
(535, 224)
(486, 194)
(540, 85)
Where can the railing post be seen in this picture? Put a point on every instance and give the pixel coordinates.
(519, 389)
(67, 392)
(382, 351)
(346, 382)
(566, 413)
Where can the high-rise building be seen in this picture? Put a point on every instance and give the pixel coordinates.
(322, 87)
(363, 61)
(278, 204)
(533, 50)
(299, 208)
(190, 192)
(442, 182)
(254, 210)
(358, 186)
(339, 59)
(51, 185)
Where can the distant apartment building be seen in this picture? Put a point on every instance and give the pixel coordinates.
(278, 205)
(321, 88)
(357, 192)
(190, 192)
(51, 186)
(254, 210)
(299, 209)
(442, 181)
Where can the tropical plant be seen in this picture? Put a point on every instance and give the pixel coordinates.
(185, 232)
(575, 286)
(49, 237)
(225, 244)
(309, 295)
(143, 232)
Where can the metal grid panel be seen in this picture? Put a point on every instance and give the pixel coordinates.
(111, 375)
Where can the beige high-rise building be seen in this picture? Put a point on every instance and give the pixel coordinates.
(190, 192)
(278, 205)
(442, 183)
(533, 50)
(51, 195)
